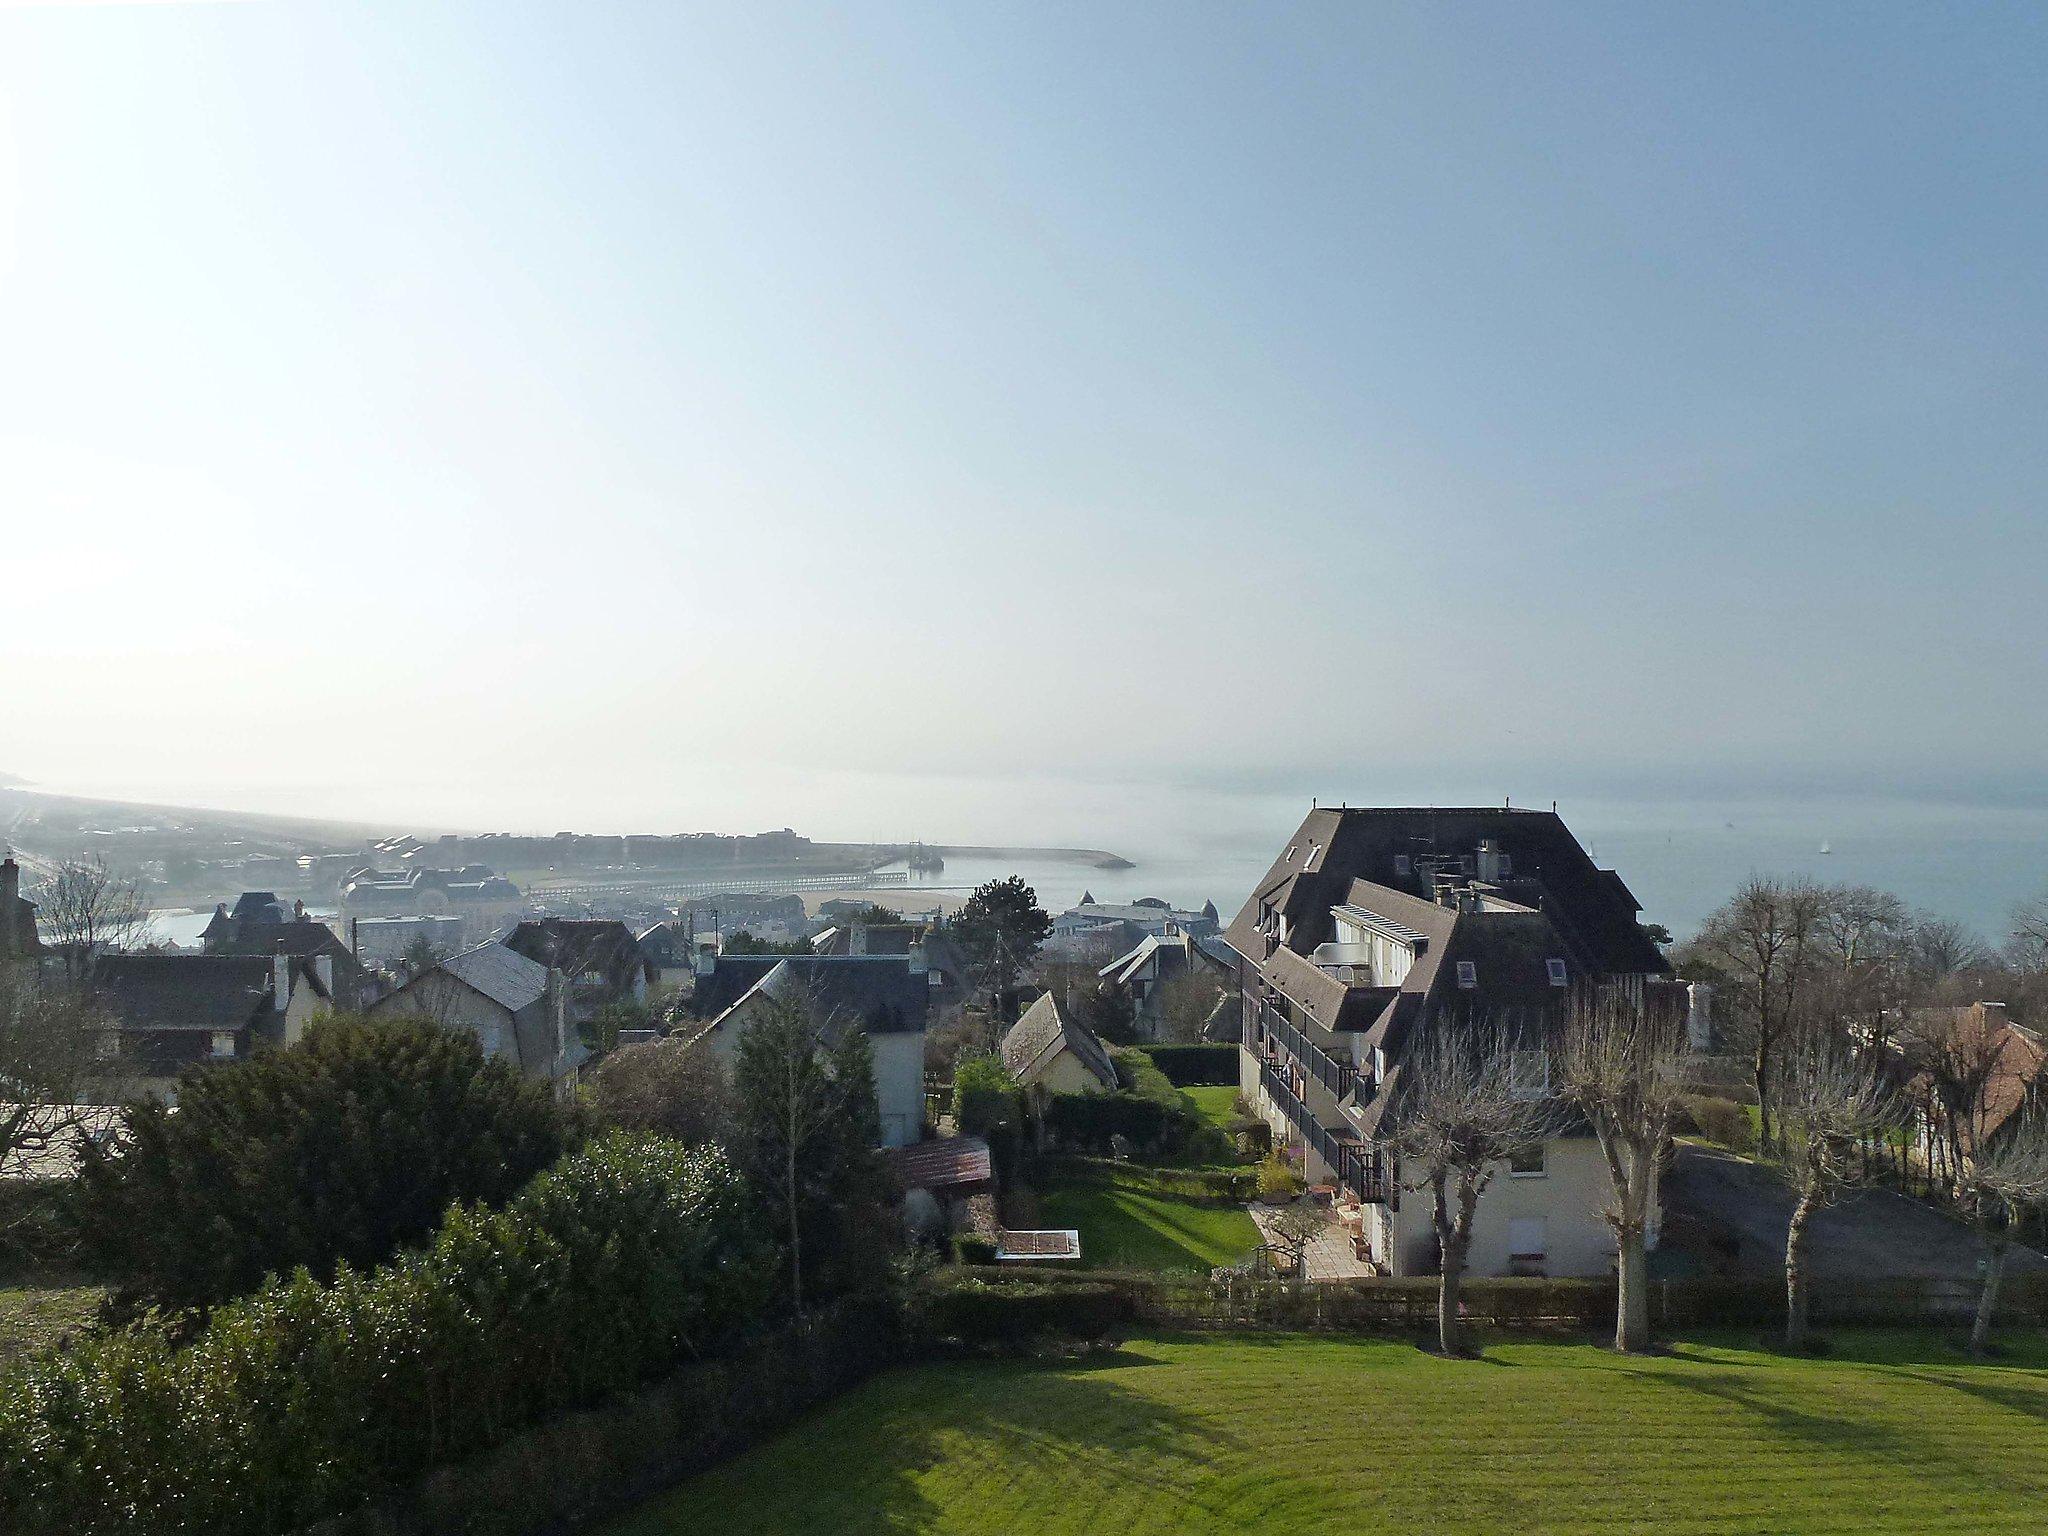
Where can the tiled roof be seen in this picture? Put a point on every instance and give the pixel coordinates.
(946, 1162)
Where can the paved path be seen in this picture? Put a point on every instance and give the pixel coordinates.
(1329, 1255)
(1873, 1234)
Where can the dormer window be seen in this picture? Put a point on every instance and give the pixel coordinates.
(1403, 865)
(1468, 974)
(1315, 852)
(1558, 976)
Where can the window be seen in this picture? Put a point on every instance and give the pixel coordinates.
(223, 1043)
(1379, 1061)
(1315, 851)
(1558, 977)
(1468, 974)
(1526, 1240)
(1527, 1164)
(1403, 865)
(1531, 1072)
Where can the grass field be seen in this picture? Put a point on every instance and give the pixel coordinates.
(1218, 1106)
(34, 1317)
(1300, 1434)
(1125, 1227)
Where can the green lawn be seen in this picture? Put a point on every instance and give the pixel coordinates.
(34, 1317)
(1218, 1106)
(1125, 1227)
(1298, 1434)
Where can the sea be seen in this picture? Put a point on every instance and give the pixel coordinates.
(1972, 864)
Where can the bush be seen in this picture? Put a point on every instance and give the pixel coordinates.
(1136, 1073)
(335, 1151)
(663, 1088)
(1279, 1181)
(1191, 1066)
(974, 1250)
(307, 1399)
(1722, 1121)
(1013, 1313)
(985, 1096)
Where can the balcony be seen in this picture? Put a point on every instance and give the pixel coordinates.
(1359, 1168)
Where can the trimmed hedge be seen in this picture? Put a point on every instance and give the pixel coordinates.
(1196, 1066)
(574, 1471)
(305, 1400)
(981, 1313)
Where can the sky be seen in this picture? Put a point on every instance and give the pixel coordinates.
(999, 422)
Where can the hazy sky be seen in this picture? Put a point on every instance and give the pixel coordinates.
(886, 418)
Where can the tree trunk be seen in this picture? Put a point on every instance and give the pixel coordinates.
(1450, 1327)
(1797, 1309)
(1761, 1074)
(1987, 1300)
(1632, 1315)
(796, 1265)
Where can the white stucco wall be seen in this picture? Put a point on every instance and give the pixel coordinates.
(1567, 1197)
(446, 1001)
(899, 1075)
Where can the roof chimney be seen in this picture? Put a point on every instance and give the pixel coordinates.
(10, 899)
(857, 939)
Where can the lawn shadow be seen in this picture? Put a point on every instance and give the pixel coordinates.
(1988, 1389)
(1043, 1416)
(1898, 1448)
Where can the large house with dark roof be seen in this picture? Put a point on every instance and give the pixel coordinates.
(600, 957)
(259, 924)
(1375, 927)
(174, 1011)
(886, 996)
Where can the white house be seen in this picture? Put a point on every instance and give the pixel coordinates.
(887, 996)
(1047, 1050)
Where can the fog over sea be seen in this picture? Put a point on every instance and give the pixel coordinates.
(1969, 863)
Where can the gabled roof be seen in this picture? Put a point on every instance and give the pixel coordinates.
(503, 975)
(577, 945)
(879, 993)
(665, 945)
(162, 992)
(1035, 1041)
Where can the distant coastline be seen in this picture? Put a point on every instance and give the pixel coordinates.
(1095, 858)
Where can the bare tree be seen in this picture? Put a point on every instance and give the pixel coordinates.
(2001, 1181)
(1292, 1228)
(1765, 938)
(1466, 1101)
(674, 1088)
(1829, 1102)
(85, 909)
(1623, 1066)
(2030, 933)
(49, 1040)
(1939, 948)
(1955, 1059)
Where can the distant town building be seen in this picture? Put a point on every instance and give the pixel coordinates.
(473, 890)
(384, 941)
(1146, 970)
(1104, 928)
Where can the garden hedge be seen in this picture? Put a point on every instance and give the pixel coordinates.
(304, 1400)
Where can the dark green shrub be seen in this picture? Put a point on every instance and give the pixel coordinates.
(986, 1099)
(335, 1151)
(974, 1250)
(1722, 1121)
(1190, 1066)
(1017, 1312)
(305, 1399)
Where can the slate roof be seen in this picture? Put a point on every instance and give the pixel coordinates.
(576, 945)
(1550, 872)
(665, 945)
(163, 992)
(879, 992)
(501, 974)
(730, 978)
(1035, 1041)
